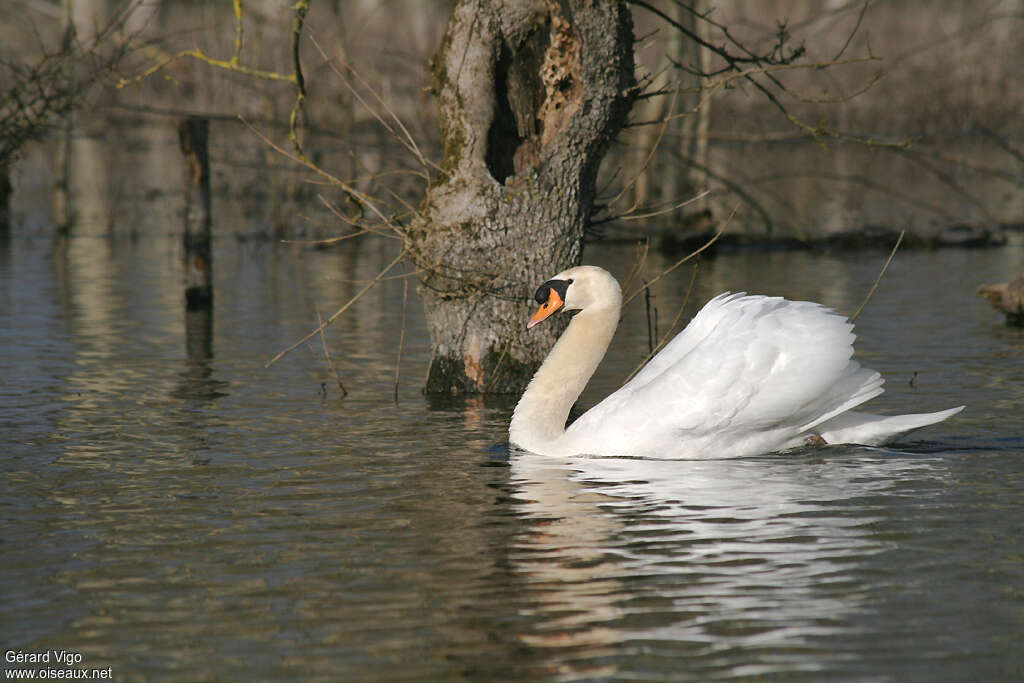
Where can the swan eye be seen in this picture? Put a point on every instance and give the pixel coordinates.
(544, 291)
(569, 281)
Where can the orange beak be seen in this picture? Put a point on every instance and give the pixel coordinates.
(553, 304)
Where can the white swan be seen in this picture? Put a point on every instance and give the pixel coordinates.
(748, 375)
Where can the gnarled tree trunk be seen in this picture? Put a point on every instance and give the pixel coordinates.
(530, 94)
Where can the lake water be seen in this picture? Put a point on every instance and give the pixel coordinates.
(174, 511)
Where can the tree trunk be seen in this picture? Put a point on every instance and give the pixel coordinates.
(530, 93)
(675, 186)
(701, 159)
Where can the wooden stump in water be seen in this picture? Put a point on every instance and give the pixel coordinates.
(1007, 297)
(5, 199)
(193, 136)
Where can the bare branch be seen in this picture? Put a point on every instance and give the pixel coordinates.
(334, 316)
(229, 65)
(641, 258)
(662, 212)
(668, 333)
(301, 8)
(401, 336)
(34, 93)
(856, 27)
(334, 180)
(767, 64)
(406, 138)
(650, 155)
(685, 258)
(879, 278)
(327, 354)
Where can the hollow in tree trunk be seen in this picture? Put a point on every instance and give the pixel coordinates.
(530, 94)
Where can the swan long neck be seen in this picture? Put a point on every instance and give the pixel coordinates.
(540, 416)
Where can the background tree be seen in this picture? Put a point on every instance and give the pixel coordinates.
(46, 78)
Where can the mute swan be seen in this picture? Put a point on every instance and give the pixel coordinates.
(748, 375)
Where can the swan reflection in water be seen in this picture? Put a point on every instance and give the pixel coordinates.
(702, 555)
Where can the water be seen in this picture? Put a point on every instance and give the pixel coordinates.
(174, 511)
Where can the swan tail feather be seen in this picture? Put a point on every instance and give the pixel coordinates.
(874, 430)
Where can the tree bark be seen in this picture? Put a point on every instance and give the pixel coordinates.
(530, 94)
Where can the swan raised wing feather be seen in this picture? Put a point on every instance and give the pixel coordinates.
(752, 364)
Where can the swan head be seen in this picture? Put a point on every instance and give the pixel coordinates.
(577, 289)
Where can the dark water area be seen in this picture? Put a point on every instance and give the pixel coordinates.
(173, 510)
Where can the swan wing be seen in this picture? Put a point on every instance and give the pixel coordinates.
(749, 373)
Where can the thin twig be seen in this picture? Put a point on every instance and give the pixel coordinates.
(237, 54)
(879, 278)
(361, 229)
(203, 57)
(334, 180)
(327, 354)
(494, 372)
(342, 217)
(517, 332)
(856, 27)
(687, 257)
(659, 212)
(641, 258)
(403, 276)
(668, 332)
(338, 312)
(401, 336)
(301, 9)
(647, 307)
(650, 155)
(768, 63)
(1003, 142)
(405, 139)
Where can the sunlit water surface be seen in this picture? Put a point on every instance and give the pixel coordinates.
(175, 511)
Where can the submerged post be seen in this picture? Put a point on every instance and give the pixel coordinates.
(5, 199)
(193, 136)
(63, 211)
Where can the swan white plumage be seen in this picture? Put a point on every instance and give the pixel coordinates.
(748, 375)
